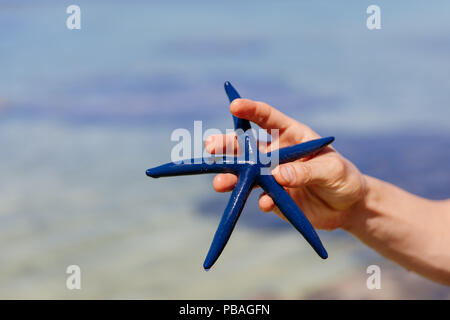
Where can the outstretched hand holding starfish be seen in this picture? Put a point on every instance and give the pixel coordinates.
(329, 189)
(332, 193)
(252, 168)
(326, 186)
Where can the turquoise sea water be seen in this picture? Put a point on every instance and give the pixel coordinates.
(84, 113)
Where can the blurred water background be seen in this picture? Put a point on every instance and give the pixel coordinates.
(84, 113)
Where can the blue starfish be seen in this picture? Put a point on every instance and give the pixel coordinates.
(249, 167)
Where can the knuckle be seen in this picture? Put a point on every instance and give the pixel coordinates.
(305, 173)
(263, 112)
(338, 166)
(295, 134)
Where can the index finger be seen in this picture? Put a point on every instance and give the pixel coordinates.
(261, 113)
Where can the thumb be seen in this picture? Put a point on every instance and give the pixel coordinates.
(301, 173)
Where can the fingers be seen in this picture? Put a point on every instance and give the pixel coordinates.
(261, 113)
(224, 182)
(222, 144)
(318, 170)
(266, 203)
(228, 144)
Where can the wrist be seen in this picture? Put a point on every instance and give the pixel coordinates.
(357, 215)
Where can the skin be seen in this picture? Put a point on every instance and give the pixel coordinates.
(333, 193)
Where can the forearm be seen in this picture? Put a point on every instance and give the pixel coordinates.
(410, 230)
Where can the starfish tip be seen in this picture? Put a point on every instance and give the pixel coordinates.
(323, 254)
(206, 267)
(151, 173)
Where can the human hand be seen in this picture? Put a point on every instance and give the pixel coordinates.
(326, 186)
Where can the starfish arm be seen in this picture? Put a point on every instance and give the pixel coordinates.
(301, 150)
(232, 95)
(195, 166)
(292, 212)
(230, 216)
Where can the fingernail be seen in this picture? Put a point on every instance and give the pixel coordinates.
(209, 143)
(234, 105)
(209, 140)
(287, 173)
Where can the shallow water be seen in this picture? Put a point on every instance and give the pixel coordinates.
(84, 113)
